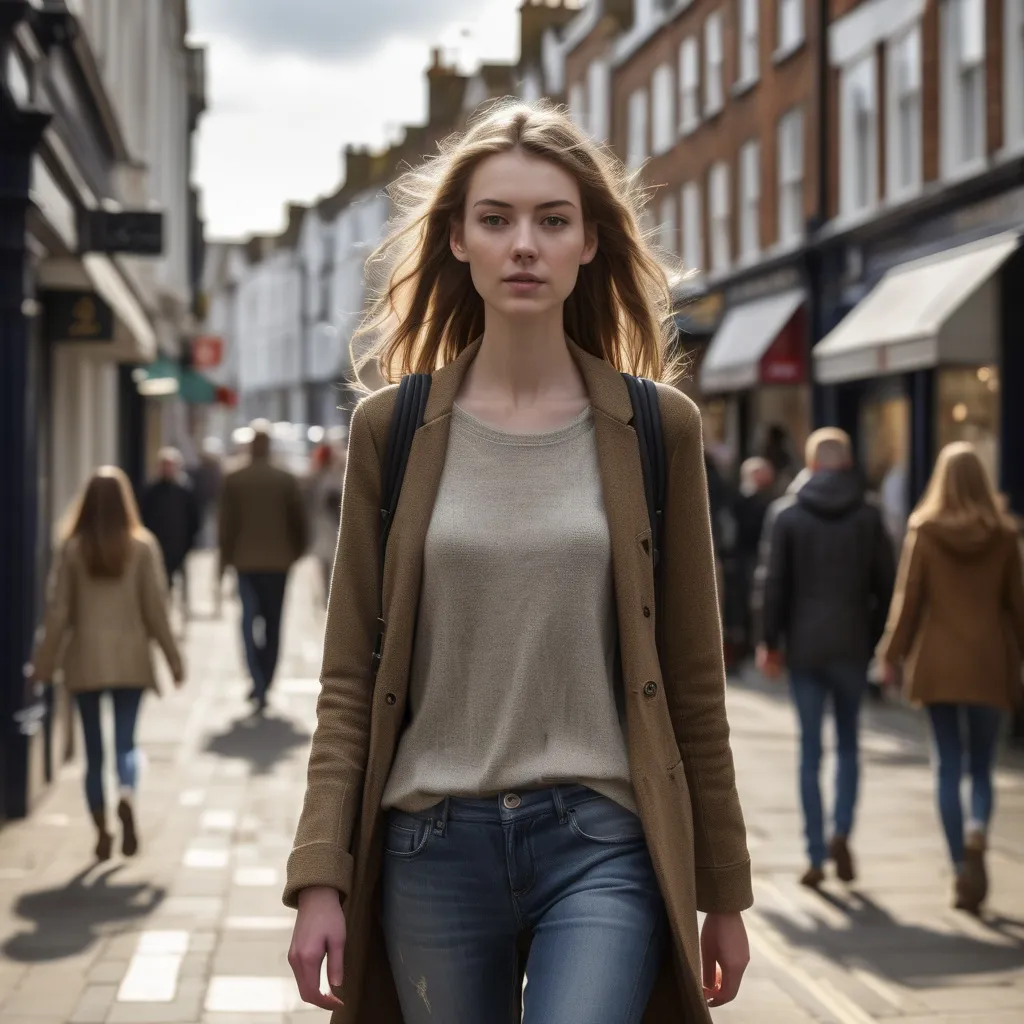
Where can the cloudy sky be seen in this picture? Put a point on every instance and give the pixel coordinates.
(289, 82)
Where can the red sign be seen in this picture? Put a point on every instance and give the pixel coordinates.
(784, 362)
(207, 351)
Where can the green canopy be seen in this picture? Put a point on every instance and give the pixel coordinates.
(163, 377)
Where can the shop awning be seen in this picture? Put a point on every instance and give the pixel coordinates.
(164, 378)
(940, 310)
(131, 315)
(747, 332)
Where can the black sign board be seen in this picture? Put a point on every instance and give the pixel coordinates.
(138, 232)
(76, 316)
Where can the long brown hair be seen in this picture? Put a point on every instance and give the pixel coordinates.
(104, 521)
(425, 309)
(959, 491)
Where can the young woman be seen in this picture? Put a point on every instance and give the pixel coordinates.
(956, 629)
(526, 784)
(107, 599)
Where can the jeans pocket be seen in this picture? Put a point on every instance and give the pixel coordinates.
(406, 835)
(602, 820)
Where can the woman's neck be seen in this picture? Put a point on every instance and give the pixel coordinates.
(521, 364)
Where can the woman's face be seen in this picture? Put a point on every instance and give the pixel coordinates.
(523, 234)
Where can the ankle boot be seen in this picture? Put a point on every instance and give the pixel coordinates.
(129, 837)
(974, 865)
(104, 840)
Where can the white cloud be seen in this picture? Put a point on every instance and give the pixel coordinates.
(276, 124)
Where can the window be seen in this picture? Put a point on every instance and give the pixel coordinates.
(693, 229)
(963, 83)
(663, 122)
(637, 150)
(903, 127)
(1014, 70)
(750, 200)
(714, 89)
(748, 40)
(859, 136)
(689, 85)
(791, 176)
(598, 99)
(718, 199)
(668, 228)
(578, 104)
(790, 28)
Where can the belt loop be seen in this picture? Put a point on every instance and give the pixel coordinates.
(441, 823)
(556, 798)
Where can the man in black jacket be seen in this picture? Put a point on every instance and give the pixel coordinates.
(825, 578)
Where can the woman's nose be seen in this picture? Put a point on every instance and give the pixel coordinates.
(524, 244)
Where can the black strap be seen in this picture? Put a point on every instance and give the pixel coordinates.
(643, 395)
(406, 419)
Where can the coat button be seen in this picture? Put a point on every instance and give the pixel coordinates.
(650, 689)
(390, 699)
(647, 612)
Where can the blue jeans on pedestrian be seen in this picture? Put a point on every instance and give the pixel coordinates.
(465, 879)
(262, 595)
(126, 713)
(846, 685)
(982, 726)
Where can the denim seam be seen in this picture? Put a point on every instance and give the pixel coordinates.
(640, 971)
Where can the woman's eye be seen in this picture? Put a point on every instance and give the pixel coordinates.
(492, 220)
(554, 222)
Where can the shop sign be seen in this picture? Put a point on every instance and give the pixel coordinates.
(785, 280)
(700, 315)
(138, 232)
(77, 316)
(207, 351)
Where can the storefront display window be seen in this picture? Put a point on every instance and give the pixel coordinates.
(968, 410)
(787, 406)
(721, 432)
(884, 449)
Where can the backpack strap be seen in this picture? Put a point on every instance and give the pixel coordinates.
(643, 394)
(406, 419)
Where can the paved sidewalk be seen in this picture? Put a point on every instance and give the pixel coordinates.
(193, 932)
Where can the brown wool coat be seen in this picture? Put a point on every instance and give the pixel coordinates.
(678, 735)
(99, 630)
(956, 623)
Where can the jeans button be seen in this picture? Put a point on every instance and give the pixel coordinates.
(512, 801)
(651, 689)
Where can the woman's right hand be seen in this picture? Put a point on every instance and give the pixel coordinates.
(319, 931)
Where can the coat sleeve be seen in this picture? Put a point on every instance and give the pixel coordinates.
(340, 747)
(59, 613)
(907, 599)
(154, 589)
(226, 525)
(694, 678)
(1013, 596)
(776, 583)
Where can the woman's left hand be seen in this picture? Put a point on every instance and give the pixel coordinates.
(724, 953)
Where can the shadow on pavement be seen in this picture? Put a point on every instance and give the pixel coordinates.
(262, 740)
(908, 954)
(67, 920)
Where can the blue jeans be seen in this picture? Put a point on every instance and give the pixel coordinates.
(982, 737)
(126, 713)
(463, 880)
(846, 685)
(262, 595)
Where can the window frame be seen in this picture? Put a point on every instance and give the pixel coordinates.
(689, 86)
(750, 201)
(962, 155)
(714, 70)
(637, 148)
(784, 10)
(858, 140)
(720, 217)
(691, 237)
(748, 42)
(903, 106)
(791, 177)
(663, 123)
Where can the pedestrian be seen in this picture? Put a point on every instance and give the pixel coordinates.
(207, 478)
(263, 533)
(107, 599)
(506, 781)
(776, 448)
(757, 478)
(170, 512)
(826, 576)
(324, 496)
(956, 633)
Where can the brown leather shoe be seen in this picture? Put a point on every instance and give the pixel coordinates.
(839, 853)
(965, 895)
(812, 878)
(974, 866)
(129, 837)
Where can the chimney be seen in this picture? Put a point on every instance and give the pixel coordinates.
(445, 88)
(535, 18)
(358, 165)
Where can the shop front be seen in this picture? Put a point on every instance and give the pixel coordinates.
(922, 359)
(754, 379)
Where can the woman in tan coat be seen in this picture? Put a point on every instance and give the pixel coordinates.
(107, 600)
(530, 781)
(956, 631)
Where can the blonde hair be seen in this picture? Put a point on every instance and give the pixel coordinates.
(425, 309)
(828, 447)
(104, 520)
(959, 491)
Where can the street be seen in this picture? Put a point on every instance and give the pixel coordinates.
(193, 930)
